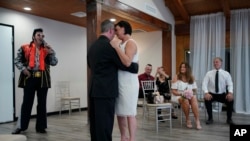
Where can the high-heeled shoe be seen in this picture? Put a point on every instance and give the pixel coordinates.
(189, 124)
(198, 125)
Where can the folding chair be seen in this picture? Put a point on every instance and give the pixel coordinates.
(178, 105)
(200, 98)
(66, 100)
(149, 85)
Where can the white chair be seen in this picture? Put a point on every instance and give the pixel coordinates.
(140, 102)
(149, 85)
(216, 108)
(200, 95)
(200, 98)
(66, 100)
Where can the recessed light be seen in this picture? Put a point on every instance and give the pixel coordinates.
(79, 14)
(112, 19)
(27, 8)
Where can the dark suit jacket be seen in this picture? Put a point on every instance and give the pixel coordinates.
(104, 63)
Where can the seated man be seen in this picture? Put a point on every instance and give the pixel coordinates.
(145, 76)
(218, 86)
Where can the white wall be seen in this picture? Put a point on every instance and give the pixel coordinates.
(150, 49)
(157, 9)
(69, 42)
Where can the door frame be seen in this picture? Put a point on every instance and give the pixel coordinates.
(13, 71)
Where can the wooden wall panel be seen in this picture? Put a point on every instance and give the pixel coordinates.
(166, 51)
(182, 44)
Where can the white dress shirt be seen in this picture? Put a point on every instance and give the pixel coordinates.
(225, 82)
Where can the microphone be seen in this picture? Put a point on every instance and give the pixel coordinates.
(45, 44)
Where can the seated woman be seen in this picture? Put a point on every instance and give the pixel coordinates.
(163, 87)
(184, 90)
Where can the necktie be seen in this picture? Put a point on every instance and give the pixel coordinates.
(217, 82)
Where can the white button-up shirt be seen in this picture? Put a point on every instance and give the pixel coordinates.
(225, 82)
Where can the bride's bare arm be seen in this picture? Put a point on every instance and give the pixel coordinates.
(130, 51)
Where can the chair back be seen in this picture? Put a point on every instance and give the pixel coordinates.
(199, 92)
(169, 85)
(62, 88)
(148, 86)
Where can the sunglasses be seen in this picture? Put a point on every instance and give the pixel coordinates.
(40, 35)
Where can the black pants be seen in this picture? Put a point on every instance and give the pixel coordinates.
(33, 85)
(220, 98)
(102, 112)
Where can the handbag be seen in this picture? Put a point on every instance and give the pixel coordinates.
(158, 99)
(154, 98)
(150, 98)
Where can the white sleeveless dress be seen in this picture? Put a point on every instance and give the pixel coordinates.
(126, 102)
(181, 86)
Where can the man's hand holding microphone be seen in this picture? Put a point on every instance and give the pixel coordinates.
(47, 47)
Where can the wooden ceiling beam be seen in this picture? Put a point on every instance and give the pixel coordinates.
(182, 10)
(226, 8)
